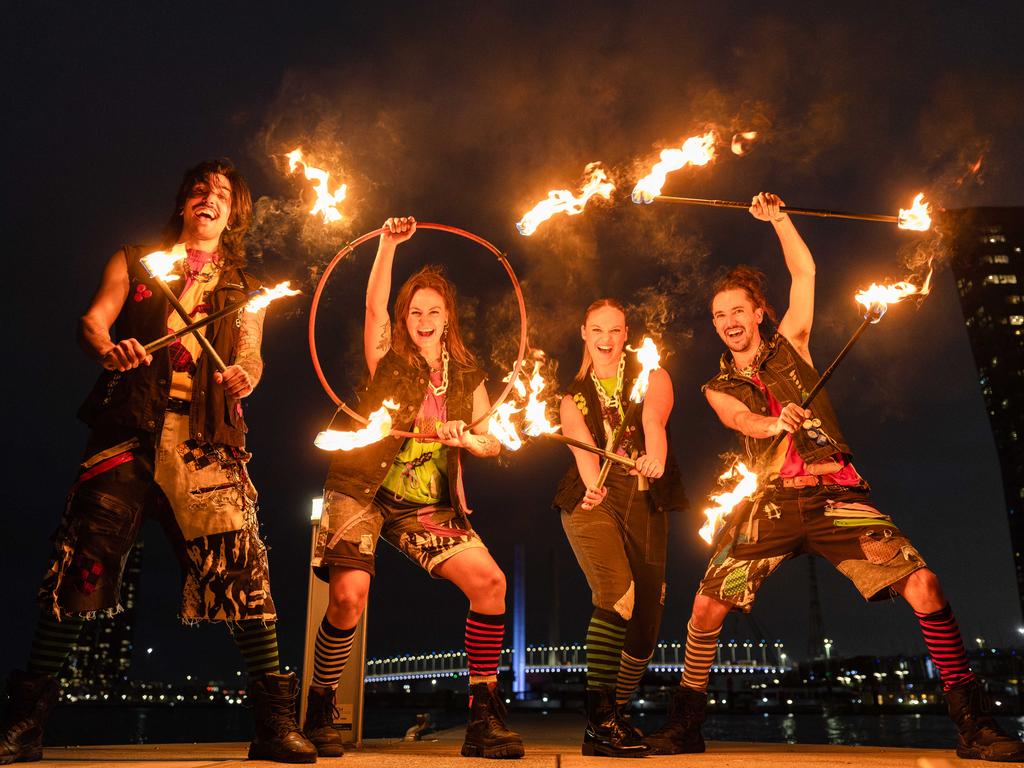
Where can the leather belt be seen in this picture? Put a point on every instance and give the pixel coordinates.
(800, 481)
(177, 405)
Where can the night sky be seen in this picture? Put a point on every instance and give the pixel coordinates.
(466, 115)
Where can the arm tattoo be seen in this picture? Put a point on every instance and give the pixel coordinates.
(384, 342)
(250, 336)
(489, 446)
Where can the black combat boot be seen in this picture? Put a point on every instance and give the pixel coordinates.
(30, 699)
(606, 735)
(278, 737)
(981, 738)
(319, 726)
(487, 735)
(681, 732)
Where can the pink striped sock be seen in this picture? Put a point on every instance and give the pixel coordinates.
(945, 646)
(484, 637)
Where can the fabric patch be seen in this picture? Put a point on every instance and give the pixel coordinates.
(851, 509)
(198, 454)
(881, 547)
(87, 574)
(735, 581)
(367, 541)
(624, 605)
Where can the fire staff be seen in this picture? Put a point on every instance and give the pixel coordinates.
(812, 500)
(618, 526)
(168, 439)
(410, 493)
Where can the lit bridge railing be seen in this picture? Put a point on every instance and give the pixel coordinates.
(668, 657)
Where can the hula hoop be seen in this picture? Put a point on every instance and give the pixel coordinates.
(349, 248)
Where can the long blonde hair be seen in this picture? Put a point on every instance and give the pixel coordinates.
(587, 361)
(429, 277)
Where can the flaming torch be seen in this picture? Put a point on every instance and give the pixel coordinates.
(159, 265)
(377, 428)
(696, 150)
(650, 360)
(563, 201)
(326, 201)
(917, 217)
(257, 301)
(723, 503)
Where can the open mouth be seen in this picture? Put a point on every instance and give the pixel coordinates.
(205, 212)
(425, 334)
(604, 349)
(734, 333)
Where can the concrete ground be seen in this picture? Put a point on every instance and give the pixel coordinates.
(551, 742)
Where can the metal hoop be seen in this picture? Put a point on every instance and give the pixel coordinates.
(349, 248)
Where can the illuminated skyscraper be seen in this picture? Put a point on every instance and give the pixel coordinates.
(989, 267)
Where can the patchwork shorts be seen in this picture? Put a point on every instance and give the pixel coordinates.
(835, 522)
(349, 529)
(201, 494)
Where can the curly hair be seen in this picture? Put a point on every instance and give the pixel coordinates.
(749, 280)
(605, 302)
(232, 246)
(432, 277)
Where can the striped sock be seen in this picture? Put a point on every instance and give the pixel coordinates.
(484, 637)
(631, 671)
(333, 647)
(256, 640)
(605, 635)
(945, 646)
(52, 642)
(701, 646)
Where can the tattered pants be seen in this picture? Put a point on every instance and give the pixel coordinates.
(620, 545)
(201, 494)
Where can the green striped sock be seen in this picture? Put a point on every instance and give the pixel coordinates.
(631, 672)
(52, 642)
(257, 642)
(606, 634)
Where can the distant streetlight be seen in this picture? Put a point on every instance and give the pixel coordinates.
(828, 649)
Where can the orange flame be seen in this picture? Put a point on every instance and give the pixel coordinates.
(256, 303)
(160, 263)
(877, 298)
(917, 216)
(501, 427)
(725, 502)
(650, 360)
(696, 150)
(562, 200)
(741, 142)
(326, 201)
(535, 417)
(377, 429)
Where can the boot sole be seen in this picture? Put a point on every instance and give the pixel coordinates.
(977, 754)
(593, 750)
(657, 749)
(285, 758)
(510, 751)
(333, 751)
(22, 757)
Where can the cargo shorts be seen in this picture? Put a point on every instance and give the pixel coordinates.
(838, 523)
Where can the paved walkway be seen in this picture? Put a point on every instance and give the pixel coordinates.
(551, 742)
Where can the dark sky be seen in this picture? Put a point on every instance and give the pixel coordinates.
(467, 114)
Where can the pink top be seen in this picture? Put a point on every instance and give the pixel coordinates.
(794, 466)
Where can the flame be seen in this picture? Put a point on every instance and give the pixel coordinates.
(325, 199)
(500, 425)
(696, 150)
(650, 360)
(724, 502)
(378, 428)
(535, 418)
(160, 263)
(741, 142)
(877, 298)
(917, 216)
(562, 200)
(256, 303)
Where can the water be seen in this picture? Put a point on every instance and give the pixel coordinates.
(92, 724)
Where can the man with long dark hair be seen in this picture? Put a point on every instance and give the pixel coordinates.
(167, 439)
(812, 501)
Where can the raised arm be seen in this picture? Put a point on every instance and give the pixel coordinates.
(657, 408)
(796, 323)
(735, 415)
(377, 325)
(94, 326)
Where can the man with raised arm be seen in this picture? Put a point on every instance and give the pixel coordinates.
(812, 501)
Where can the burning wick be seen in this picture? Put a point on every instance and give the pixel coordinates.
(724, 503)
(696, 150)
(377, 428)
(563, 201)
(159, 264)
(535, 418)
(326, 201)
(917, 216)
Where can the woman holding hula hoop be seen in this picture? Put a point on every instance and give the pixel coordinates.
(618, 530)
(409, 491)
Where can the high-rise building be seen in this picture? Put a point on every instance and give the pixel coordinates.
(100, 660)
(989, 267)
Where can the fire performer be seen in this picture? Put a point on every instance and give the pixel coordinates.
(168, 439)
(618, 530)
(814, 502)
(410, 493)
